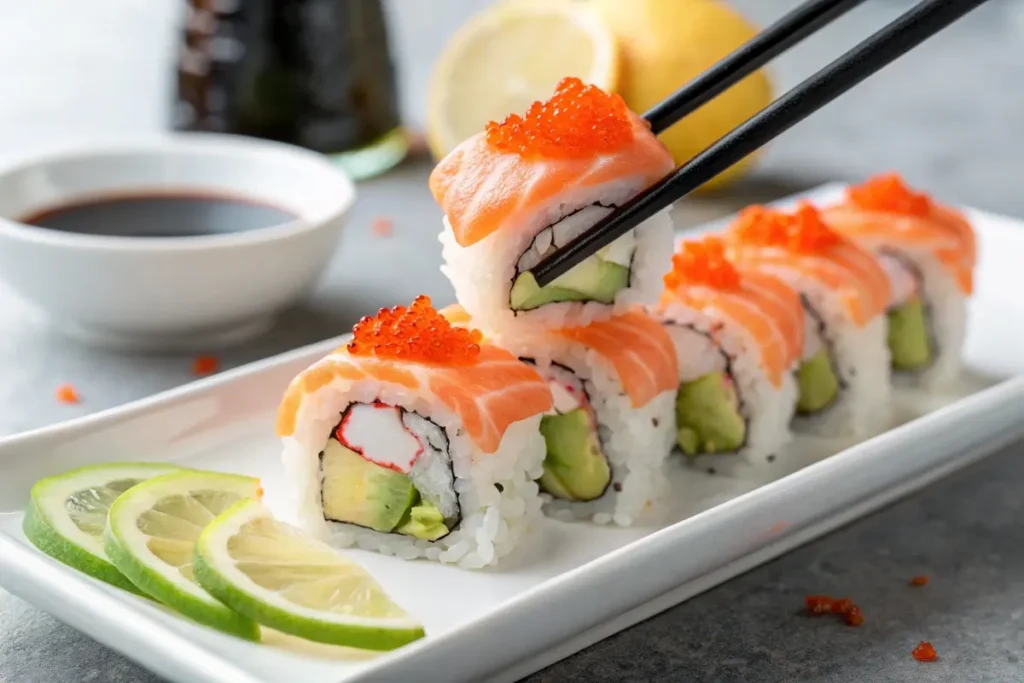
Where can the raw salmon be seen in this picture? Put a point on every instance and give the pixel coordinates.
(797, 245)
(495, 180)
(884, 212)
(764, 306)
(639, 349)
(489, 390)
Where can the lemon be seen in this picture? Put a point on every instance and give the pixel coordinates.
(283, 579)
(151, 533)
(67, 513)
(507, 57)
(663, 44)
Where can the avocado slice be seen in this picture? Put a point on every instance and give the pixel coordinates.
(593, 280)
(424, 521)
(909, 341)
(708, 416)
(357, 491)
(575, 468)
(819, 385)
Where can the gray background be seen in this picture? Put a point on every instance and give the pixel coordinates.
(948, 115)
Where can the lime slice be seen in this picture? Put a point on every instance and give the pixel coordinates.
(67, 513)
(152, 529)
(285, 580)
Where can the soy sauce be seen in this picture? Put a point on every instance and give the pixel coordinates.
(160, 215)
(314, 73)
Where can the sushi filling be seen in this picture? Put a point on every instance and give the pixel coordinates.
(575, 466)
(599, 278)
(911, 341)
(709, 410)
(388, 469)
(817, 377)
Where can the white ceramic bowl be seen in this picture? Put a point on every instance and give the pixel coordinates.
(171, 293)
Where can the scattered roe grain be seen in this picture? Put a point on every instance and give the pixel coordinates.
(578, 122)
(817, 605)
(702, 262)
(66, 393)
(888, 193)
(924, 652)
(205, 365)
(417, 333)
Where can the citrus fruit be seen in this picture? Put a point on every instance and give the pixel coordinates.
(507, 57)
(664, 44)
(67, 513)
(283, 579)
(151, 533)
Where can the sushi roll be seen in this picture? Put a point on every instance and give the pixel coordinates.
(416, 439)
(738, 339)
(524, 187)
(928, 251)
(843, 379)
(610, 428)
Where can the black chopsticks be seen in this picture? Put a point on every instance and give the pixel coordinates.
(765, 46)
(891, 42)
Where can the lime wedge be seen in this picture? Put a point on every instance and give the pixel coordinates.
(67, 513)
(152, 529)
(276, 575)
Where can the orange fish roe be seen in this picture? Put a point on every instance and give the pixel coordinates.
(67, 393)
(382, 227)
(417, 333)
(888, 192)
(924, 652)
(578, 122)
(702, 262)
(800, 231)
(818, 605)
(205, 365)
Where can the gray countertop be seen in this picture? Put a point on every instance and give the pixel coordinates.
(949, 116)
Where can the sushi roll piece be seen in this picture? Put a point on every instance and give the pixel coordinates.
(843, 380)
(929, 251)
(610, 428)
(522, 188)
(416, 439)
(738, 339)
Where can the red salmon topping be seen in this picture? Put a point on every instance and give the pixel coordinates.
(800, 231)
(888, 192)
(416, 333)
(702, 262)
(578, 122)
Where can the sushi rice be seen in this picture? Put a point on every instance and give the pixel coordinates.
(483, 274)
(635, 440)
(497, 494)
(705, 344)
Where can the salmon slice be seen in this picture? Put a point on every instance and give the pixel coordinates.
(704, 279)
(783, 304)
(945, 233)
(638, 347)
(488, 395)
(799, 245)
(884, 211)
(772, 344)
(482, 190)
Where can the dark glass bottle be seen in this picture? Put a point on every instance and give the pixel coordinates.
(315, 73)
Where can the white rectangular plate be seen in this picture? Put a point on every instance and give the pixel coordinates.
(571, 584)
